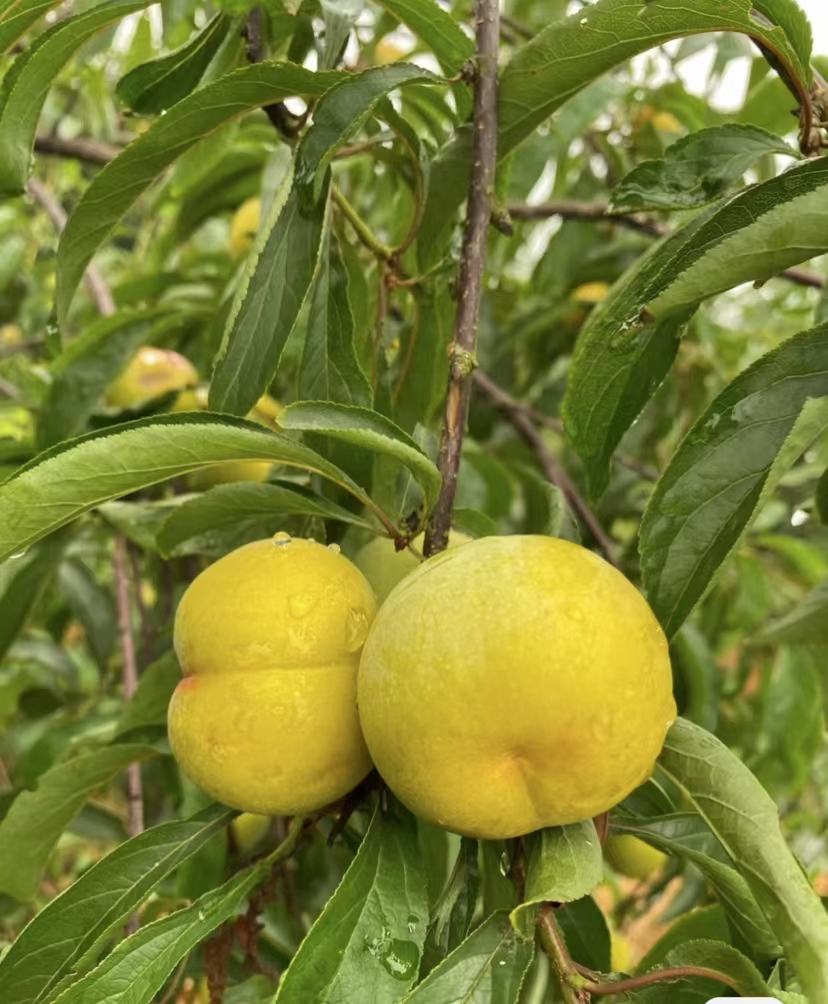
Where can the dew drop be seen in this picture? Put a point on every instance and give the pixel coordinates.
(335, 548)
(356, 629)
(281, 538)
(400, 959)
(505, 864)
(18, 556)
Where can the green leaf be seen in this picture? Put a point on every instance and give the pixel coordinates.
(340, 17)
(23, 581)
(722, 958)
(564, 864)
(157, 85)
(751, 433)
(138, 967)
(148, 705)
(226, 506)
(754, 237)
(806, 623)
(341, 113)
(420, 386)
(489, 967)
(88, 365)
(571, 53)
(696, 170)
(687, 835)
(453, 913)
(746, 821)
(821, 495)
(368, 429)
(330, 370)
(586, 933)
(68, 480)
(37, 818)
(27, 84)
(630, 340)
(268, 301)
(369, 937)
(93, 605)
(118, 185)
(436, 28)
(794, 720)
(71, 930)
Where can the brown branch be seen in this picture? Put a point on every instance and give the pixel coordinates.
(599, 212)
(472, 265)
(98, 288)
(130, 675)
(135, 789)
(520, 418)
(91, 151)
(659, 976)
(554, 945)
(590, 212)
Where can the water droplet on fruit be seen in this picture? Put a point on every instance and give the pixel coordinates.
(301, 604)
(311, 540)
(356, 629)
(400, 959)
(281, 538)
(335, 548)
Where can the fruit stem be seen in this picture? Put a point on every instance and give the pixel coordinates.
(361, 228)
(472, 267)
(298, 826)
(552, 939)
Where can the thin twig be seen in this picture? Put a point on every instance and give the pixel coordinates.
(135, 792)
(98, 288)
(599, 212)
(591, 212)
(659, 976)
(520, 419)
(279, 114)
(472, 266)
(92, 151)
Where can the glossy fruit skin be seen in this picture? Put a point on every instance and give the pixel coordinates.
(269, 638)
(249, 829)
(514, 683)
(245, 226)
(151, 373)
(632, 857)
(384, 567)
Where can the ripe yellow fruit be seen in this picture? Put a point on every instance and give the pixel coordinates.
(514, 683)
(591, 292)
(633, 857)
(268, 639)
(248, 830)
(151, 373)
(384, 567)
(621, 957)
(245, 226)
